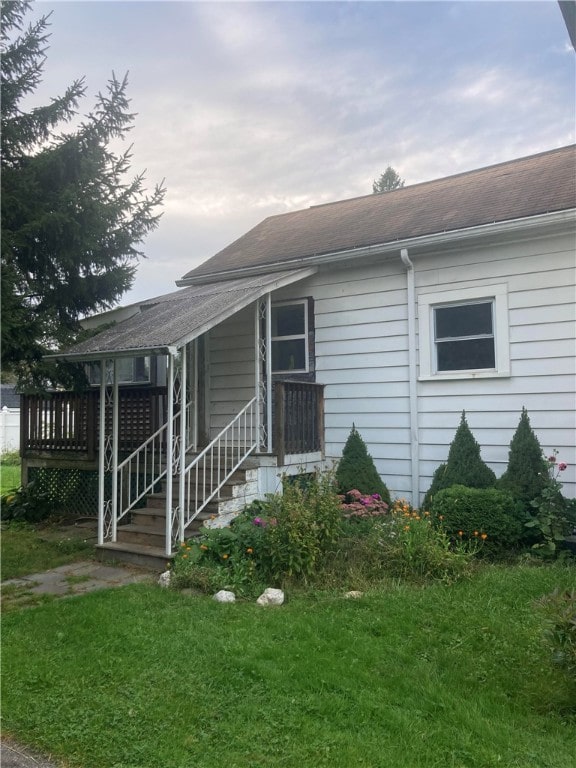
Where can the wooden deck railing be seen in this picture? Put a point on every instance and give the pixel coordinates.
(298, 418)
(68, 422)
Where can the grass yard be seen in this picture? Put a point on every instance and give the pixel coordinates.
(27, 550)
(9, 477)
(406, 677)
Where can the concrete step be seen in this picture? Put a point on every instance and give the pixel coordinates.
(138, 554)
(141, 534)
(154, 519)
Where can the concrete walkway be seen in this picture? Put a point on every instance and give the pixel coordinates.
(78, 578)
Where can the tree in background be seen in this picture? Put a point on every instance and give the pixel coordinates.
(356, 469)
(72, 218)
(387, 182)
(463, 467)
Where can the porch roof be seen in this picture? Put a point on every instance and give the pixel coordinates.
(171, 321)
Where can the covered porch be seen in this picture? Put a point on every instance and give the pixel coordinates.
(177, 448)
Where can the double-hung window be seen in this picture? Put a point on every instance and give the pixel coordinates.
(464, 334)
(290, 337)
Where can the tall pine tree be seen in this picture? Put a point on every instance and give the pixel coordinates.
(72, 216)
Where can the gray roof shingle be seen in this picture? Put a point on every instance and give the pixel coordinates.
(521, 188)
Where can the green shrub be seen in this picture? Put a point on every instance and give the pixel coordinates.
(526, 475)
(290, 537)
(552, 517)
(356, 469)
(28, 503)
(412, 548)
(560, 634)
(10, 459)
(464, 465)
(304, 528)
(488, 514)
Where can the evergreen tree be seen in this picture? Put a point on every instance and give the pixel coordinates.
(463, 467)
(527, 472)
(71, 219)
(356, 469)
(388, 181)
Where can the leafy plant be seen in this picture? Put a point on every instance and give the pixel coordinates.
(463, 467)
(551, 519)
(560, 634)
(28, 503)
(412, 548)
(356, 469)
(527, 473)
(488, 514)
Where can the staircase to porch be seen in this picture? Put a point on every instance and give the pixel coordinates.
(141, 536)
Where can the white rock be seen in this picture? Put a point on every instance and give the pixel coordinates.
(165, 578)
(271, 597)
(354, 594)
(224, 596)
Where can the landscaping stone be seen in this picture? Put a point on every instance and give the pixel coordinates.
(271, 597)
(224, 596)
(165, 578)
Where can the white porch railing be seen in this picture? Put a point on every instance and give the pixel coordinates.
(205, 475)
(141, 471)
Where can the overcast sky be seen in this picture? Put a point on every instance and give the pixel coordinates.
(253, 109)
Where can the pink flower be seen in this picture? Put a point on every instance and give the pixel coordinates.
(552, 459)
(562, 466)
(376, 496)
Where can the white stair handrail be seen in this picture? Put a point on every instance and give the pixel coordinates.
(216, 463)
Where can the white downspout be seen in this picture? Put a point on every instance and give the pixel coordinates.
(413, 394)
(269, 372)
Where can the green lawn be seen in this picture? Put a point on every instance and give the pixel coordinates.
(27, 550)
(406, 677)
(9, 477)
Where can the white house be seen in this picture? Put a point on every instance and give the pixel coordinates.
(394, 312)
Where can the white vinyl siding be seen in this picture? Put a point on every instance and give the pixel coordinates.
(361, 342)
(232, 368)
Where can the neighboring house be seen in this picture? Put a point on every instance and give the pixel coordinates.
(9, 418)
(393, 311)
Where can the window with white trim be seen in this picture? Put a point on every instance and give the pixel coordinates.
(290, 337)
(464, 334)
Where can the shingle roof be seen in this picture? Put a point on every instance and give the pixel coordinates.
(9, 398)
(526, 187)
(175, 318)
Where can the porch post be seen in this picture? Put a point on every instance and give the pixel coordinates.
(193, 379)
(169, 452)
(102, 453)
(183, 439)
(115, 405)
(257, 373)
(269, 372)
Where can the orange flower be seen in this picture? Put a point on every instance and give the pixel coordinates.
(483, 536)
(249, 550)
(184, 557)
(406, 527)
(440, 517)
(203, 547)
(460, 533)
(224, 557)
(475, 533)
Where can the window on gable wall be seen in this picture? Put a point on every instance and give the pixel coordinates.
(290, 337)
(464, 333)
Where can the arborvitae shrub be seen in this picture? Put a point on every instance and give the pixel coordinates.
(464, 465)
(356, 469)
(477, 511)
(527, 473)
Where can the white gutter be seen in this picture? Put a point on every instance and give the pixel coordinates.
(412, 378)
(437, 239)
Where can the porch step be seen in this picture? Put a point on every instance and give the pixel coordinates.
(138, 554)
